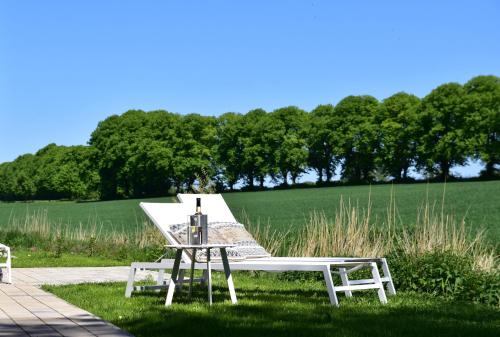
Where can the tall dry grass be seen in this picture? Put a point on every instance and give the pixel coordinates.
(436, 231)
(353, 232)
(38, 223)
(274, 241)
(349, 233)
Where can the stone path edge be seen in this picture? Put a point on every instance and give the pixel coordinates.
(27, 310)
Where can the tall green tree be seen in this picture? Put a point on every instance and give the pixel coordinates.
(253, 164)
(397, 117)
(136, 150)
(194, 149)
(290, 124)
(442, 139)
(260, 143)
(17, 178)
(358, 136)
(229, 149)
(483, 121)
(322, 141)
(66, 172)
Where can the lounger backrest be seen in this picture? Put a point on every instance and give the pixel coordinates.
(218, 211)
(171, 218)
(213, 205)
(164, 215)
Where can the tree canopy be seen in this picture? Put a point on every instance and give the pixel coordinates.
(138, 153)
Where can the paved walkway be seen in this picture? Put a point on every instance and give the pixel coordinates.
(26, 310)
(74, 275)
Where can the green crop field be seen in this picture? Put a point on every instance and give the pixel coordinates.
(479, 202)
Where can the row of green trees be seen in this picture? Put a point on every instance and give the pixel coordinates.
(147, 153)
(54, 172)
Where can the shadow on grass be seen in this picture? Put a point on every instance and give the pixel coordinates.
(307, 313)
(268, 307)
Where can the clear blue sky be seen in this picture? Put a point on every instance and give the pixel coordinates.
(66, 65)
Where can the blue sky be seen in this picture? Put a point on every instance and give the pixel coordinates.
(66, 65)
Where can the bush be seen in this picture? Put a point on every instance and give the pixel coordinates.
(445, 274)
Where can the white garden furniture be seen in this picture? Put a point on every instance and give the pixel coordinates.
(218, 210)
(5, 253)
(165, 215)
(175, 270)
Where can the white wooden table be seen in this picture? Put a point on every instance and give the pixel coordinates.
(175, 271)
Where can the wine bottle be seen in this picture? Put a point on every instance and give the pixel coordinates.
(198, 206)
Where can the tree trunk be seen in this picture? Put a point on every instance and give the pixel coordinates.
(329, 174)
(250, 181)
(405, 173)
(320, 175)
(445, 169)
(285, 177)
(489, 169)
(261, 181)
(357, 173)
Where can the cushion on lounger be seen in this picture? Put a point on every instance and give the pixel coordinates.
(224, 232)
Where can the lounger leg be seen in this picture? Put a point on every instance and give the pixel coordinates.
(209, 277)
(204, 277)
(180, 279)
(329, 287)
(130, 282)
(387, 274)
(345, 281)
(229, 277)
(161, 278)
(173, 279)
(378, 281)
(193, 260)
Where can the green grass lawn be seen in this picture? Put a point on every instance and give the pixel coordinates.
(289, 209)
(269, 306)
(28, 259)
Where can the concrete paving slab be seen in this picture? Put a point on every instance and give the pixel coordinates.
(27, 310)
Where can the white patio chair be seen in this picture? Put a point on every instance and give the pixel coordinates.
(165, 215)
(5, 252)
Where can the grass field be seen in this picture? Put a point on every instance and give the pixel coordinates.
(289, 209)
(268, 306)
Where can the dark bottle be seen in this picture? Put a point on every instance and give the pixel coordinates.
(201, 222)
(198, 206)
(198, 220)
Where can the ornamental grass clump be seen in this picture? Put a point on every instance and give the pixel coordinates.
(436, 232)
(35, 231)
(349, 233)
(435, 255)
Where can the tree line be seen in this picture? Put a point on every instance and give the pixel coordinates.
(142, 153)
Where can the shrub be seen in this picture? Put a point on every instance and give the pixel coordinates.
(445, 274)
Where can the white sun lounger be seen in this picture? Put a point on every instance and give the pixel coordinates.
(219, 211)
(5, 251)
(164, 215)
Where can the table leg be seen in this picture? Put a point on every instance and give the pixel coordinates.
(173, 278)
(229, 277)
(193, 260)
(209, 277)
